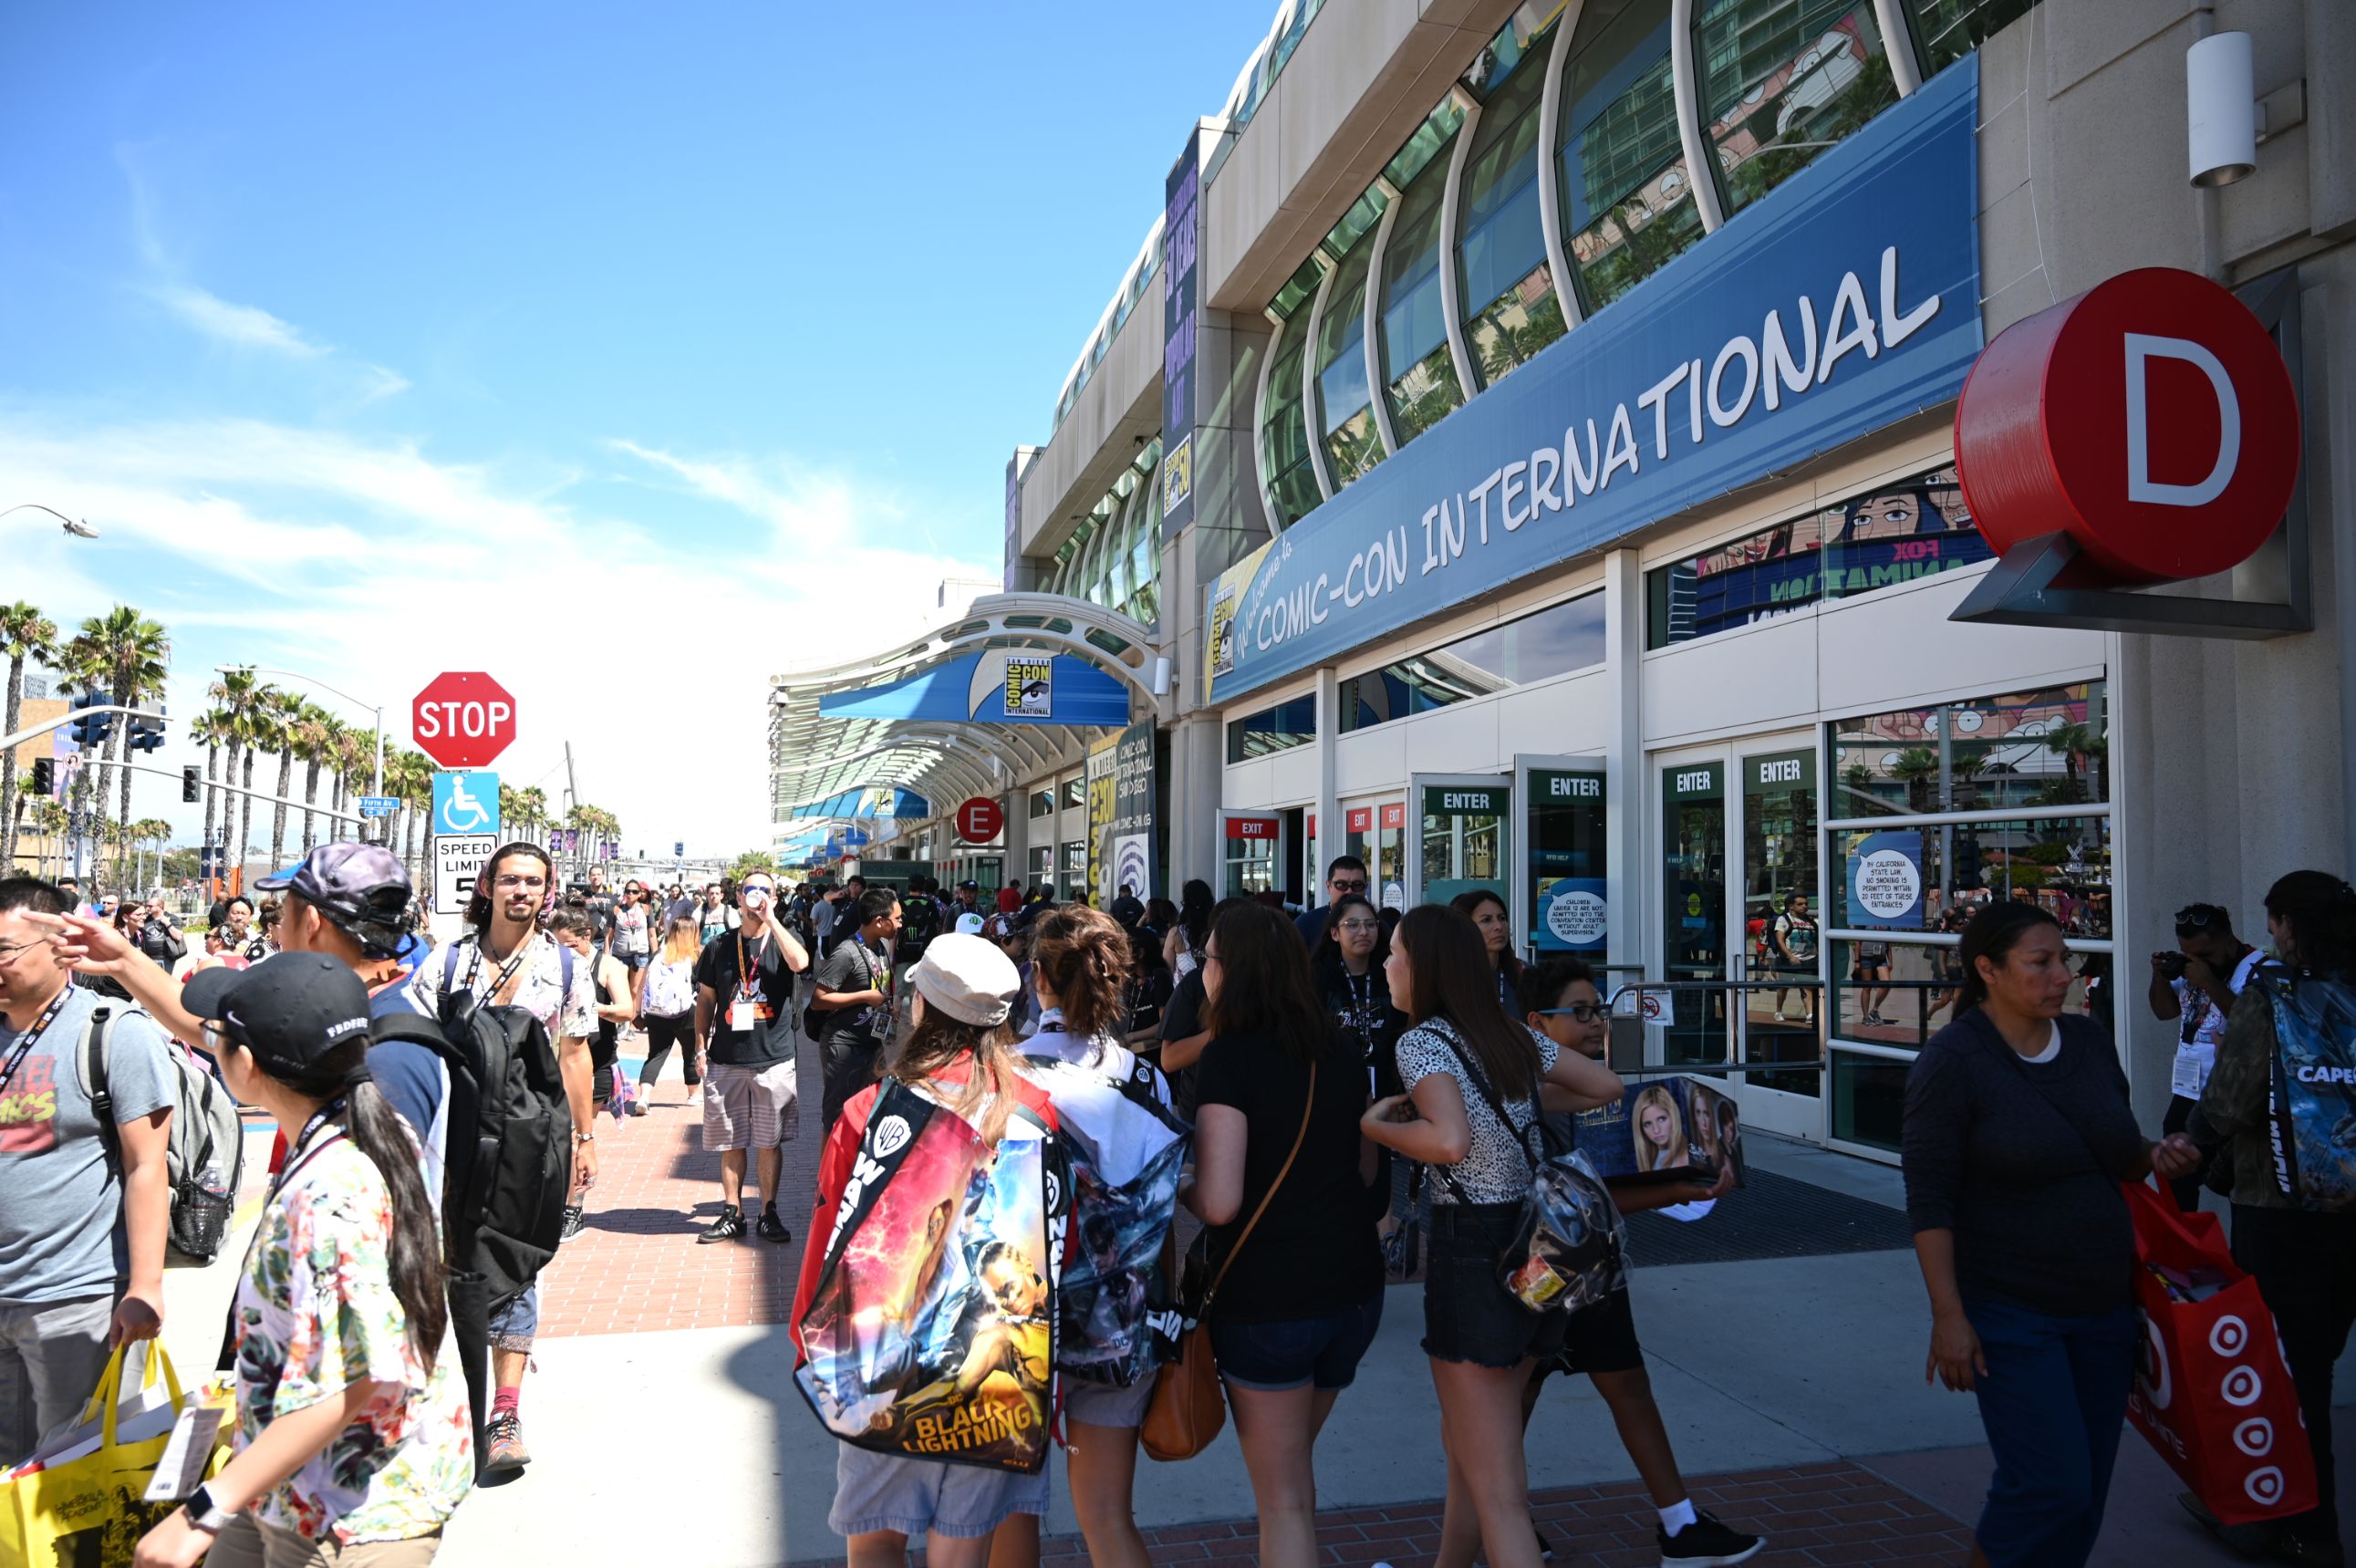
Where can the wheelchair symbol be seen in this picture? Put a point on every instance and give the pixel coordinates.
(462, 813)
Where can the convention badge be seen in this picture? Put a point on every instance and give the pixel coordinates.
(185, 1453)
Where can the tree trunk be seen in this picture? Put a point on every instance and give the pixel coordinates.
(123, 752)
(335, 798)
(310, 797)
(8, 767)
(212, 796)
(245, 816)
(278, 813)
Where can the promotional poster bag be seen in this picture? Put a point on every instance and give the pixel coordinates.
(2312, 1088)
(79, 1505)
(932, 1331)
(2211, 1391)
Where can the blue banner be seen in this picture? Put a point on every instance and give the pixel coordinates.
(1842, 302)
(1884, 882)
(1006, 686)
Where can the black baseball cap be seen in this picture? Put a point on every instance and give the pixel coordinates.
(289, 1010)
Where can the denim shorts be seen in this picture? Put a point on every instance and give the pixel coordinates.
(1322, 1352)
(515, 1325)
(910, 1496)
(1467, 1316)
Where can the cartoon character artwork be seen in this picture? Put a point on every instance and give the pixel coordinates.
(932, 1331)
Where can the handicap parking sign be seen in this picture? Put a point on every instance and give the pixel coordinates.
(466, 803)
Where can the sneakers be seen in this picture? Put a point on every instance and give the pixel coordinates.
(504, 1451)
(1707, 1542)
(571, 1223)
(1545, 1547)
(729, 1227)
(769, 1228)
(638, 1105)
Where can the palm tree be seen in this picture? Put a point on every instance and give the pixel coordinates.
(409, 778)
(216, 728)
(1917, 767)
(129, 654)
(307, 731)
(25, 634)
(533, 811)
(243, 696)
(329, 759)
(286, 715)
(155, 831)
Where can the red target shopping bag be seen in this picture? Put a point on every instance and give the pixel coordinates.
(2211, 1390)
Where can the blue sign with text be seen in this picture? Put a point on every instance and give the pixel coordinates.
(1843, 301)
(466, 803)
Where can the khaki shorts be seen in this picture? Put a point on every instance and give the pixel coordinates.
(748, 1106)
(246, 1542)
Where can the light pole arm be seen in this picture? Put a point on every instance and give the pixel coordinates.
(10, 743)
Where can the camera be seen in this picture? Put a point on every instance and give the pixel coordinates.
(2171, 964)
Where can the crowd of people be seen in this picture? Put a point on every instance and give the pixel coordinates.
(1294, 1095)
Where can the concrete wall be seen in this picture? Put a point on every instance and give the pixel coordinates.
(1121, 402)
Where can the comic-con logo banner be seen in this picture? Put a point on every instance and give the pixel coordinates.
(1841, 303)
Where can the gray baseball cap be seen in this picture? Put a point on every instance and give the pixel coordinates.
(361, 887)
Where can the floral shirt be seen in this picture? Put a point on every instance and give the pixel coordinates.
(569, 1014)
(316, 1313)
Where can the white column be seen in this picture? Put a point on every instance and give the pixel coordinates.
(1629, 872)
(1551, 166)
(1329, 817)
(1452, 207)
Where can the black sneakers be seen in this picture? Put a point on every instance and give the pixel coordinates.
(1705, 1543)
(729, 1227)
(769, 1228)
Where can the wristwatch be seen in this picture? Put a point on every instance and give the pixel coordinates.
(584, 1137)
(206, 1514)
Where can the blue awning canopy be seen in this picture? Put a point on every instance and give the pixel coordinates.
(1007, 686)
(866, 802)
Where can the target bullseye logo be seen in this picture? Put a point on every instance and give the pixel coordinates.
(2241, 1386)
(2158, 1389)
(2264, 1486)
(2256, 1437)
(2229, 1336)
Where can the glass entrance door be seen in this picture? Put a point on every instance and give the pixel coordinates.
(1693, 906)
(1377, 833)
(1781, 935)
(1562, 897)
(1462, 843)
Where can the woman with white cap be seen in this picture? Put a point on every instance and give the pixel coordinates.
(957, 1053)
(353, 1440)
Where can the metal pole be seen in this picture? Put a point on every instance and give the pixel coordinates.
(378, 787)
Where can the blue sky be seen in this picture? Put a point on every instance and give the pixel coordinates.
(383, 340)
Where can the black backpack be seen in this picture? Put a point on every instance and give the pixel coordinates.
(507, 1167)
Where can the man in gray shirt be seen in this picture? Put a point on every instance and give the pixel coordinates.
(83, 1209)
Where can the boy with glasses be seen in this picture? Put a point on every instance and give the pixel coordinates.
(1346, 875)
(1559, 1000)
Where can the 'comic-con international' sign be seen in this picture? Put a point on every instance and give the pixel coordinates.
(1844, 301)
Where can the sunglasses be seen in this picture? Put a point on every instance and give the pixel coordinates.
(1357, 884)
(2197, 914)
(1362, 925)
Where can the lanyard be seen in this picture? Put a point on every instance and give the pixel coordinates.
(747, 977)
(26, 1041)
(506, 970)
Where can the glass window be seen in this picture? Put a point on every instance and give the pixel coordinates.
(1510, 308)
(1075, 870)
(1076, 791)
(1947, 30)
(1782, 79)
(1627, 196)
(2049, 747)
(1345, 406)
(1284, 433)
(1043, 803)
(1042, 861)
(1915, 528)
(1279, 728)
(1250, 861)
(1550, 641)
(1421, 372)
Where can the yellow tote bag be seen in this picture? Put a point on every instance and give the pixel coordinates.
(88, 1512)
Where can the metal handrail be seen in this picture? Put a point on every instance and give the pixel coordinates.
(1968, 819)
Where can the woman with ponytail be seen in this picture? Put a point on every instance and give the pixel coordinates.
(353, 1443)
(2017, 1134)
(2304, 1260)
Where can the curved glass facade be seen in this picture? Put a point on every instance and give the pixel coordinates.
(1627, 196)
(1345, 401)
(1510, 308)
(1114, 557)
(1781, 81)
(1420, 373)
(1284, 430)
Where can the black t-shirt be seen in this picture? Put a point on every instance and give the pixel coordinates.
(1360, 1007)
(771, 1038)
(1314, 1250)
(599, 908)
(1182, 1018)
(852, 967)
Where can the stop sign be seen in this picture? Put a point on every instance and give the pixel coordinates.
(980, 820)
(463, 719)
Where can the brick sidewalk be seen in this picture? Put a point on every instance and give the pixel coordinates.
(635, 1264)
(1816, 1514)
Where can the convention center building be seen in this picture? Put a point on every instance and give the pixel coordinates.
(1746, 480)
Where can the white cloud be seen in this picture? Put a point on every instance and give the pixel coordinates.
(239, 326)
(373, 566)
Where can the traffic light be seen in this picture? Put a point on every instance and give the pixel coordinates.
(45, 776)
(92, 729)
(1967, 863)
(188, 795)
(147, 734)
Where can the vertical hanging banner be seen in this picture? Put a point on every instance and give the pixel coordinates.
(1130, 852)
(1103, 791)
(1181, 230)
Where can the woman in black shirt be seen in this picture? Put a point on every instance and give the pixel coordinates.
(1303, 1296)
(1489, 913)
(2018, 1133)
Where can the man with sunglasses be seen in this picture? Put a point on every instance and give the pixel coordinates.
(84, 1207)
(2195, 985)
(745, 1010)
(1346, 875)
